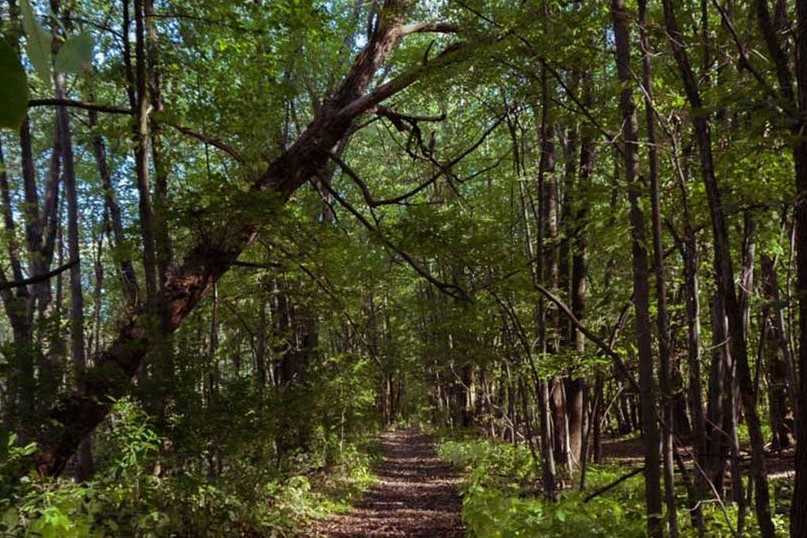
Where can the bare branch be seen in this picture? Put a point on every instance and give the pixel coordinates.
(226, 148)
(745, 62)
(438, 27)
(396, 117)
(449, 289)
(37, 278)
(232, 152)
(591, 335)
(72, 103)
(254, 265)
(614, 484)
(372, 202)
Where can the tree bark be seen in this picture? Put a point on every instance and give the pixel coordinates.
(662, 316)
(769, 355)
(798, 513)
(127, 271)
(724, 272)
(547, 275)
(641, 291)
(717, 447)
(19, 391)
(579, 288)
(141, 136)
(77, 346)
(689, 253)
(574, 386)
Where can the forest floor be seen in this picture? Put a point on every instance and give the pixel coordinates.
(416, 495)
(629, 451)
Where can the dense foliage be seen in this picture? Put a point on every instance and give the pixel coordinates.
(500, 501)
(241, 238)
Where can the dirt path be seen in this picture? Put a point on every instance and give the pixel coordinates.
(416, 495)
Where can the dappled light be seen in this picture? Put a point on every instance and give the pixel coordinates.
(388, 268)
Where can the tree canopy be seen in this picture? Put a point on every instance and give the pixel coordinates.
(239, 239)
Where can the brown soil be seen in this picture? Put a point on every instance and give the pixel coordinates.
(416, 495)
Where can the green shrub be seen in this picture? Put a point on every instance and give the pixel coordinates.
(130, 496)
(500, 499)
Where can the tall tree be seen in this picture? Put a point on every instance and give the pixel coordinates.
(641, 291)
(662, 315)
(724, 272)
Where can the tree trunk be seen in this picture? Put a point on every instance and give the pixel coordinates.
(579, 288)
(774, 343)
(127, 272)
(141, 137)
(716, 410)
(798, 511)
(641, 291)
(689, 252)
(77, 348)
(662, 316)
(20, 388)
(548, 192)
(724, 273)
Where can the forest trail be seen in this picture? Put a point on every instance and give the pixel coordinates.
(416, 495)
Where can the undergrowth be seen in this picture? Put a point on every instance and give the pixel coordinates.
(502, 499)
(130, 497)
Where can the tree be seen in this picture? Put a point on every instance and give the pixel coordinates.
(641, 292)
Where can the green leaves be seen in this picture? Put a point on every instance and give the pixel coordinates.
(13, 90)
(75, 55)
(38, 43)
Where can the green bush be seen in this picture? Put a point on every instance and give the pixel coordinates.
(500, 499)
(130, 496)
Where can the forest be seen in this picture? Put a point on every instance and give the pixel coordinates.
(386, 268)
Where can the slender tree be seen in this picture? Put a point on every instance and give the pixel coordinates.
(641, 292)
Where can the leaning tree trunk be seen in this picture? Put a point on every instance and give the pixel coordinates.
(207, 260)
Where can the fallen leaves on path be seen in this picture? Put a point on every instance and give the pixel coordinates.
(416, 495)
